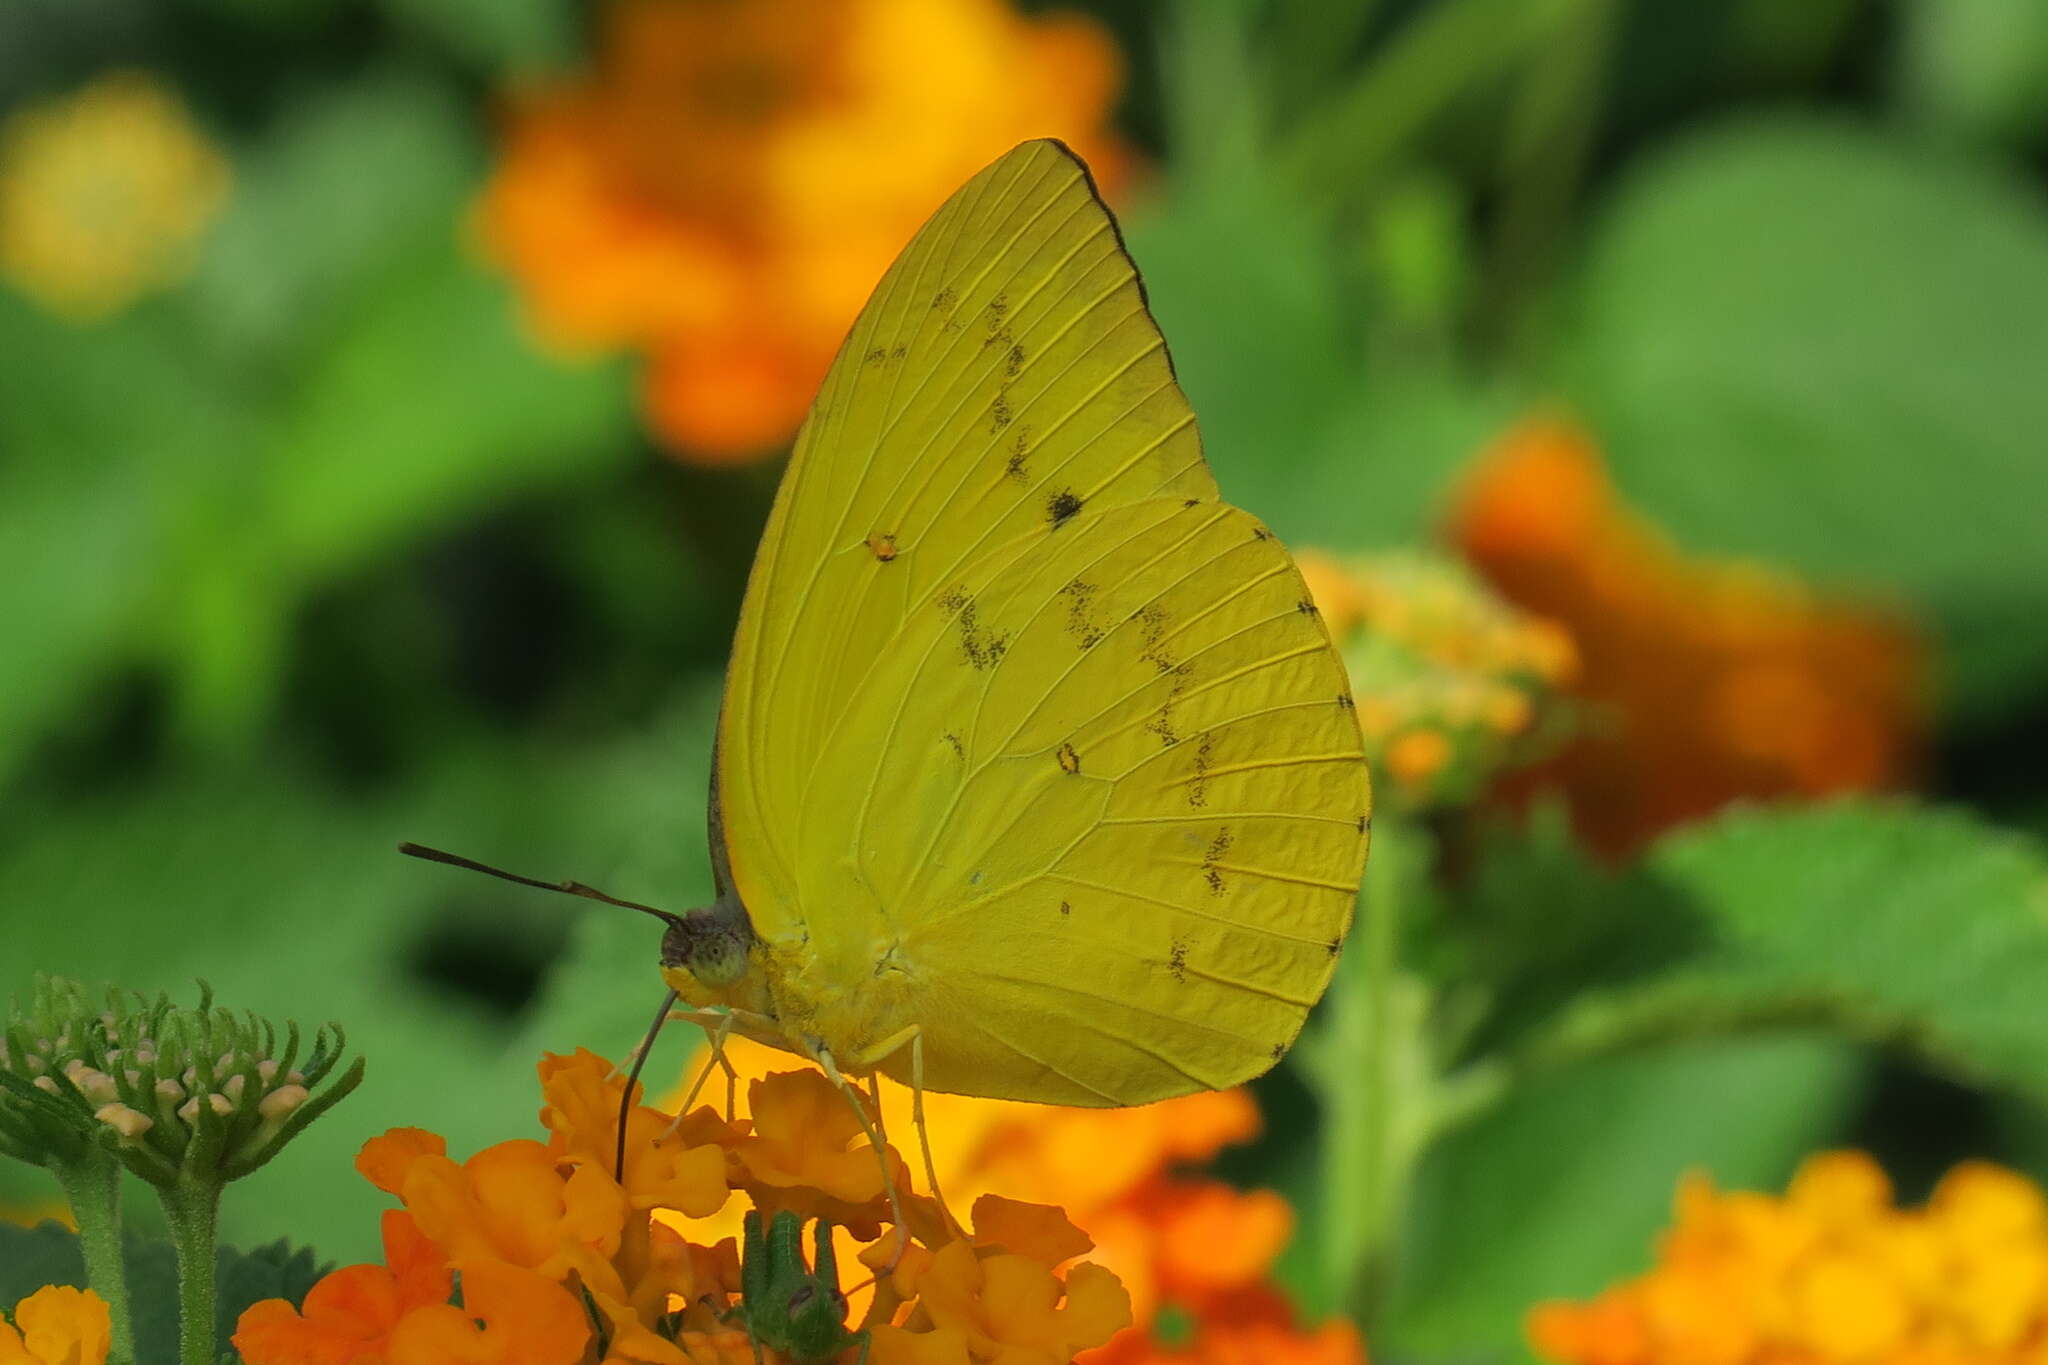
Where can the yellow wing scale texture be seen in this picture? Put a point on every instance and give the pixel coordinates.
(1029, 741)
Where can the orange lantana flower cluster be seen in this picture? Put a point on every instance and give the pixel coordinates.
(1184, 1246)
(57, 1325)
(1702, 682)
(725, 184)
(1832, 1272)
(561, 1263)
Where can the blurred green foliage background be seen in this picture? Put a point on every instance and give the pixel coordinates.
(312, 549)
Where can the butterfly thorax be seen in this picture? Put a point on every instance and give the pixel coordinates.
(847, 996)
(794, 996)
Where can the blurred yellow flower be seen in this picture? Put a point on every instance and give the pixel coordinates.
(1703, 682)
(1453, 685)
(104, 195)
(723, 187)
(57, 1325)
(1832, 1272)
(52, 1210)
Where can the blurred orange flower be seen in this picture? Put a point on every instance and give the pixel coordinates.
(57, 1325)
(1704, 682)
(1830, 1273)
(724, 185)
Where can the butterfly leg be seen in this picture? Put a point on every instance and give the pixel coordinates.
(913, 1038)
(855, 1098)
(717, 1037)
(718, 1023)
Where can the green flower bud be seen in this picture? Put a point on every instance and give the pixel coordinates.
(1453, 685)
(195, 1094)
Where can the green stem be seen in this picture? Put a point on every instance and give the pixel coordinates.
(1377, 1083)
(92, 1185)
(1444, 51)
(193, 1210)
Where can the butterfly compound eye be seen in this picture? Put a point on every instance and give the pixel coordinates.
(708, 945)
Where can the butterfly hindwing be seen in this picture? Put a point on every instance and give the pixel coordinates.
(1105, 795)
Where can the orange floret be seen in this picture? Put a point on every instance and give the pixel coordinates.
(509, 1316)
(809, 1152)
(350, 1314)
(664, 1169)
(1007, 1307)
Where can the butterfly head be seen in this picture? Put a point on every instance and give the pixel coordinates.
(710, 946)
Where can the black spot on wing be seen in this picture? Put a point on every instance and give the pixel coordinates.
(1212, 872)
(981, 647)
(1198, 785)
(1020, 450)
(1061, 507)
(1081, 623)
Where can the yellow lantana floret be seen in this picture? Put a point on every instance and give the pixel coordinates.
(57, 1325)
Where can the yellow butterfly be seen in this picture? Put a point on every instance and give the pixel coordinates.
(1037, 776)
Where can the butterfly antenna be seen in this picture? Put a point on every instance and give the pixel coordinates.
(589, 893)
(633, 1079)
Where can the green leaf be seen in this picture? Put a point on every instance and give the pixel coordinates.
(1300, 428)
(430, 405)
(301, 237)
(46, 1254)
(1918, 927)
(496, 36)
(1538, 925)
(1562, 1190)
(1978, 68)
(33, 1257)
(116, 443)
(1805, 342)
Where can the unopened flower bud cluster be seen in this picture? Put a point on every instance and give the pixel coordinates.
(171, 1090)
(1453, 685)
